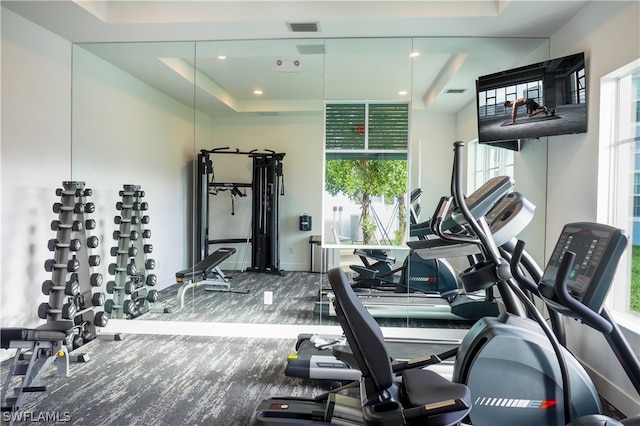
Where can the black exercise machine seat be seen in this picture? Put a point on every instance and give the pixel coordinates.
(206, 265)
(49, 332)
(423, 396)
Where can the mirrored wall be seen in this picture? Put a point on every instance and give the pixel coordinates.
(149, 114)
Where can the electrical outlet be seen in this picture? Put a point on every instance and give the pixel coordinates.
(290, 250)
(268, 298)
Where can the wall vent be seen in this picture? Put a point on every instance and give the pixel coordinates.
(310, 49)
(455, 91)
(303, 27)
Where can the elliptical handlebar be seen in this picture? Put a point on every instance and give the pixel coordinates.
(479, 226)
(562, 291)
(482, 232)
(442, 211)
(516, 258)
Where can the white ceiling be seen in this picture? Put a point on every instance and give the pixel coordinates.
(349, 69)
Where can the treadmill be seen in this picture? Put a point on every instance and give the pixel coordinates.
(506, 212)
(314, 359)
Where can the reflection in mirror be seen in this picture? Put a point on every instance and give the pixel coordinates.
(142, 112)
(445, 71)
(133, 124)
(259, 122)
(366, 158)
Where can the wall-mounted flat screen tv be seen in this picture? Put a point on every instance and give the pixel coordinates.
(544, 99)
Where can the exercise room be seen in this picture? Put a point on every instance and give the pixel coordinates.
(298, 212)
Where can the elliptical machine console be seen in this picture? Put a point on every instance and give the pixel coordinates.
(597, 249)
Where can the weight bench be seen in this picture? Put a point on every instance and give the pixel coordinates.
(37, 348)
(206, 272)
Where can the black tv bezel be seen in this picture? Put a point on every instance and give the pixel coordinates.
(514, 141)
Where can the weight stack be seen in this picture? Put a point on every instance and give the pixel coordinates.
(74, 290)
(130, 290)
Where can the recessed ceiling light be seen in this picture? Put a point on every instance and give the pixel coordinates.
(221, 57)
(414, 54)
(257, 92)
(402, 92)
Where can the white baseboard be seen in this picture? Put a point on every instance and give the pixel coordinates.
(616, 396)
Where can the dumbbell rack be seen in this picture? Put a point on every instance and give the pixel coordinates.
(130, 290)
(74, 290)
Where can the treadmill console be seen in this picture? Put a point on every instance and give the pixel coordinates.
(483, 199)
(598, 249)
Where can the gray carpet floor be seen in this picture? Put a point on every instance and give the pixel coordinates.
(191, 380)
(169, 380)
(294, 296)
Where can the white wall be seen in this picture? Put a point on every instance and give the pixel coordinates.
(127, 132)
(609, 34)
(35, 159)
(436, 134)
(300, 137)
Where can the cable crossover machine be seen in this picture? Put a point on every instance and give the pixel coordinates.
(267, 185)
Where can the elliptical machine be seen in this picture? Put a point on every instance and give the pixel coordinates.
(433, 276)
(515, 367)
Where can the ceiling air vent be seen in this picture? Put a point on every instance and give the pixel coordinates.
(303, 27)
(455, 91)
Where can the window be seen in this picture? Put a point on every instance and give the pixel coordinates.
(485, 162)
(366, 173)
(620, 181)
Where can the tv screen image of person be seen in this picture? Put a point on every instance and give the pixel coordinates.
(548, 98)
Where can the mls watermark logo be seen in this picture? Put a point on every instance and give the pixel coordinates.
(41, 417)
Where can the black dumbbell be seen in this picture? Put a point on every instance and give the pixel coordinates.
(75, 226)
(92, 242)
(122, 206)
(133, 235)
(96, 279)
(76, 208)
(97, 299)
(131, 251)
(101, 319)
(68, 310)
(145, 219)
(130, 269)
(140, 206)
(77, 341)
(94, 260)
(87, 192)
(71, 266)
(134, 220)
(73, 245)
(129, 287)
(89, 207)
(151, 280)
(86, 336)
(128, 307)
(153, 296)
(71, 288)
(150, 264)
(60, 192)
(146, 233)
(90, 224)
(148, 248)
